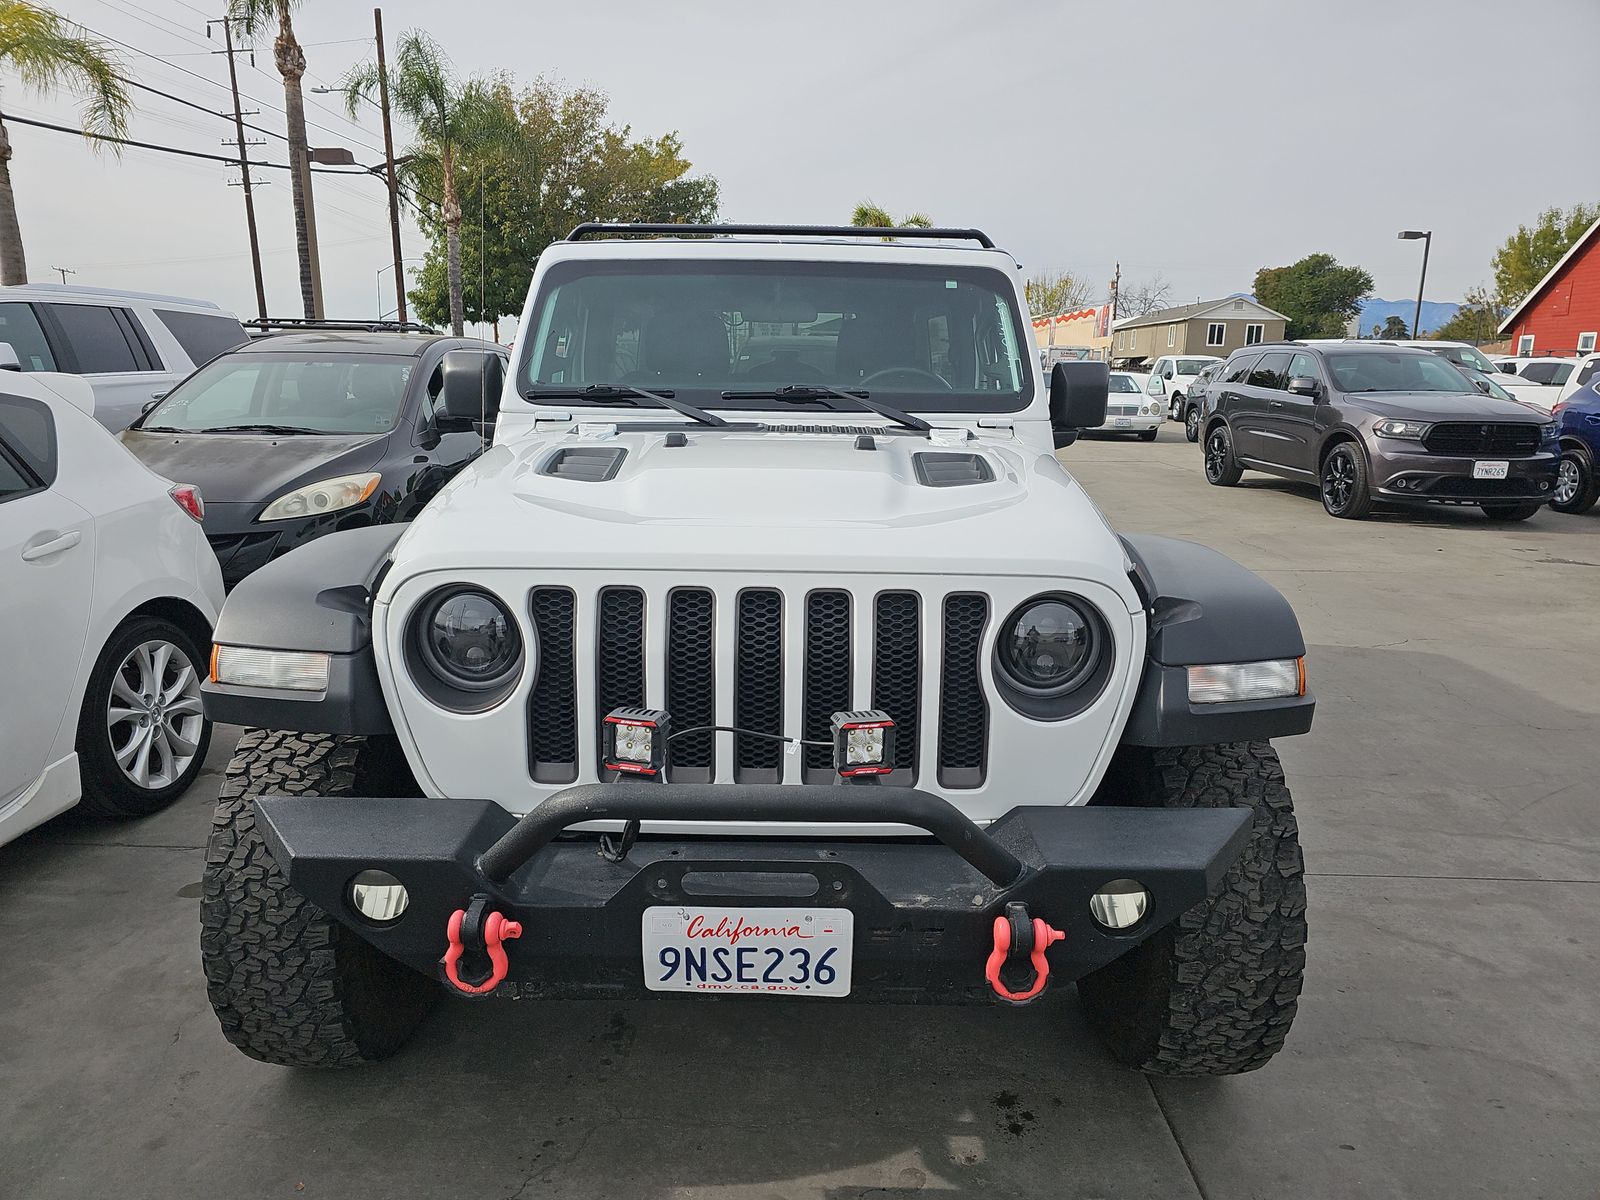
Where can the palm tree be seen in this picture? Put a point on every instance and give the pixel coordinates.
(452, 119)
(46, 52)
(869, 216)
(255, 16)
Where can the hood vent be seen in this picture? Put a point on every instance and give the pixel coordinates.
(584, 464)
(935, 469)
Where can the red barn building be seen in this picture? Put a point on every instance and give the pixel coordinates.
(1562, 314)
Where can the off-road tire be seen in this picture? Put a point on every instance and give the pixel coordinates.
(1511, 512)
(1215, 992)
(1222, 469)
(289, 984)
(1148, 435)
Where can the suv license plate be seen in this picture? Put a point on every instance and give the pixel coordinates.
(1489, 470)
(774, 951)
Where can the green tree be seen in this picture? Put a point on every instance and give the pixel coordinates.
(452, 119)
(1530, 252)
(1393, 329)
(255, 17)
(868, 215)
(1319, 296)
(46, 53)
(1477, 320)
(568, 163)
(1056, 292)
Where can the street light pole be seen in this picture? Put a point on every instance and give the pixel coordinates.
(1411, 235)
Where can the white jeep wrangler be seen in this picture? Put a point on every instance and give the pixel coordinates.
(769, 650)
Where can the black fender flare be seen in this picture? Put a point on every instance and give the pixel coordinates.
(1204, 608)
(315, 599)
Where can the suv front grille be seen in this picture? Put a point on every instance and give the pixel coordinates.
(1462, 437)
(818, 652)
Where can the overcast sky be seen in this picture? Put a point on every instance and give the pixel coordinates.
(1198, 140)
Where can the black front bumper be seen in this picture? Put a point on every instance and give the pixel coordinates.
(924, 909)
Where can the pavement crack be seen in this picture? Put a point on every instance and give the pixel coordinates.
(1177, 1140)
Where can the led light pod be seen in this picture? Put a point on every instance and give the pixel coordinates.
(636, 740)
(863, 743)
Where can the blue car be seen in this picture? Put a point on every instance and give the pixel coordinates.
(1579, 427)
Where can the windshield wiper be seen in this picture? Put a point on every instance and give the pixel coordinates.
(623, 391)
(252, 429)
(821, 391)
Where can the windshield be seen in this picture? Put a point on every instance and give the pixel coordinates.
(1395, 371)
(318, 393)
(1124, 383)
(934, 339)
(1192, 366)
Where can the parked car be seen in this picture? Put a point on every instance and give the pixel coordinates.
(1194, 397)
(131, 347)
(296, 435)
(1578, 416)
(1171, 376)
(887, 562)
(1584, 374)
(1129, 410)
(108, 595)
(1547, 371)
(1371, 421)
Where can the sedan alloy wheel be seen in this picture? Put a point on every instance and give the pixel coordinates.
(153, 714)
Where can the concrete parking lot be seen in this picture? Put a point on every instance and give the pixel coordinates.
(1448, 1043)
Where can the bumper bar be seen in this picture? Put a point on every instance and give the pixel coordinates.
(924, 917)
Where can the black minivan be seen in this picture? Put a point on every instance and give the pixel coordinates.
(293, 436)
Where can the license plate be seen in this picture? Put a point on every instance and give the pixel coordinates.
(1124, 423)
(773, 951)
(1489, 470)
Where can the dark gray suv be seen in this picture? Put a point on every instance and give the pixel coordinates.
(1376, 422)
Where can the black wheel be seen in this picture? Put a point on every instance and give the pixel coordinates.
(142, 737)
(1215, 992)
(1221, 469)
(1191, 423)
(1511, 512)
(1344, 483)
(1576, 487)
(1148, 435)
(289, 984)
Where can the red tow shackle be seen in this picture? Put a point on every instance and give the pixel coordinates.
(1016, 934)
(484, 934)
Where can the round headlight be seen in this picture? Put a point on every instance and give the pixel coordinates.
(1047, 647)
(469, 641)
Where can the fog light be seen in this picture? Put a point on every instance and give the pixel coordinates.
(290, 670)
(863, 743)
(378, 896)
(636, 740)
(1228, 683)
(1119, 905)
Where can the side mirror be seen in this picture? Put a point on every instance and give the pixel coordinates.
(1303, 385)
(470, 391)
(8, 358)
(1078, 392)
(1483, 386)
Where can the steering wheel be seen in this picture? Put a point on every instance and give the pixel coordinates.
(939, 379)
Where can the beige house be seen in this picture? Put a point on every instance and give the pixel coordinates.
(1216, 327)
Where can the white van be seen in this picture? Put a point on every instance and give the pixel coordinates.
(1171, 376)
(131, 347)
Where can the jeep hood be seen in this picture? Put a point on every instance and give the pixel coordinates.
(768, 501)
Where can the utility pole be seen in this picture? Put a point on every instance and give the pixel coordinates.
(245, 181)
(1111, 323)
(388, 169)
(65, 271)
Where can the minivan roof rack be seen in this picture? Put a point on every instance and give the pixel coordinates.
(620, 228)
(268, 324)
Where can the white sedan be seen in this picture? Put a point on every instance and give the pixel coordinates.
(108, 595)
(1129, 410)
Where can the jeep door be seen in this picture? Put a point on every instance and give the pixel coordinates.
(1252, 435)
(1289, 424)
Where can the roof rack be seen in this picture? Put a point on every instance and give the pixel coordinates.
(618, 228)
(268, 324)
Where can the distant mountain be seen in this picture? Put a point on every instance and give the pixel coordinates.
(1375, 311)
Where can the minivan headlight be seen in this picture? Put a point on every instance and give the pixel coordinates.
(1401, 429)
(327, 495)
